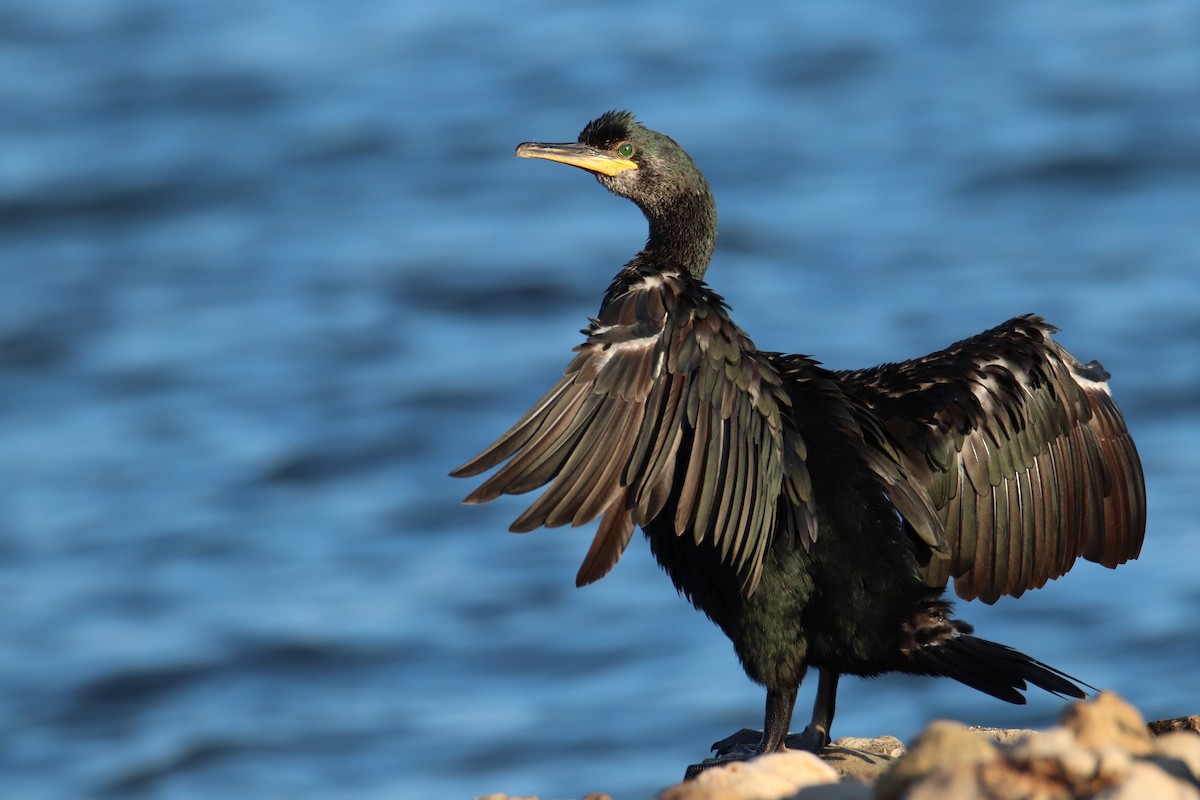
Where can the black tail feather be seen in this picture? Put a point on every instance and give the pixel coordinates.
(992, 668)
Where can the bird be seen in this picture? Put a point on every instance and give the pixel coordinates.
(816, 516)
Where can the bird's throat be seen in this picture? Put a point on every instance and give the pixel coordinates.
(683, 232)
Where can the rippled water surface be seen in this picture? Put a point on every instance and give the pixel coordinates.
(269, 271)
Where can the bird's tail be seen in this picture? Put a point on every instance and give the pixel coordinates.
(993, 668)
(935, 644)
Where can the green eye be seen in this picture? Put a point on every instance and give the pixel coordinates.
(625, 150)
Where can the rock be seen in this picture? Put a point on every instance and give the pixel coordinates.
(1162, 726)
(1003, 735)
(1056, 757)
(946, 782)
(1178, 753)
(943, 743)
(842, 790)
(1114, 764)
(502, 796)
(1032, 768)
(1102, 751)
(864, 759)
(1146, 781)
(769, 777)
(1055, 752)
(883, 746)
(1108, 720)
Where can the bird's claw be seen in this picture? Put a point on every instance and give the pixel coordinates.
(812, 739)
(744, 745)
(745, 739)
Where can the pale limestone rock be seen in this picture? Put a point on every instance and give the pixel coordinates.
(846, 789)
(502, 796)
(1003, 735)
(1179, 747)
(1056, 756)
(943, 743)
(770, 777)
(960, 782)
(1108, 720)
(1113, 764)
(1147, 782)
(865, 759)
(1102, 751)
(887, 746)
(1005, 781)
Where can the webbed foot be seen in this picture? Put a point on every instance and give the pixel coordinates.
(746, 744)
(814, 739)
(745, 739)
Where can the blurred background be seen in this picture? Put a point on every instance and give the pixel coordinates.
(269, 271)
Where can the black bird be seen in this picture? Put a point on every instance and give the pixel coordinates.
(815, 516)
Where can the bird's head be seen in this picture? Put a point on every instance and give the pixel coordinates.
(628, 158)
(654, 172)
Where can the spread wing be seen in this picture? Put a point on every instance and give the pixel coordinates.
(1023, 453)
(667, 408)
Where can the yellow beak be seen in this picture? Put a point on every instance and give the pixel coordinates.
(577, 155)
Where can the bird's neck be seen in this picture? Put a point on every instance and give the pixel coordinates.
(683, 232)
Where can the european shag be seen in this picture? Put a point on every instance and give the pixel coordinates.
(816, 516)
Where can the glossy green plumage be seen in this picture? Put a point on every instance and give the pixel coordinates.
(815, 516)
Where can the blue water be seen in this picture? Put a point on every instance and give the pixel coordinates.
(269, 271)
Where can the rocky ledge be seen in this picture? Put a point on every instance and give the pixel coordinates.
(1101, 750)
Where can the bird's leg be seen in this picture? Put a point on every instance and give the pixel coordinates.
(774, 735)
(815, 737)
(777, 719)
(748, 743)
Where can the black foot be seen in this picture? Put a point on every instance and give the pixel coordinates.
(744, 744)
(740, 746)
(745, 739)
(812, 739)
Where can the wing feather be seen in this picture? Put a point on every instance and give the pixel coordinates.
(1021, 450)
(666, 412)
(517, 436)
(543, 450)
